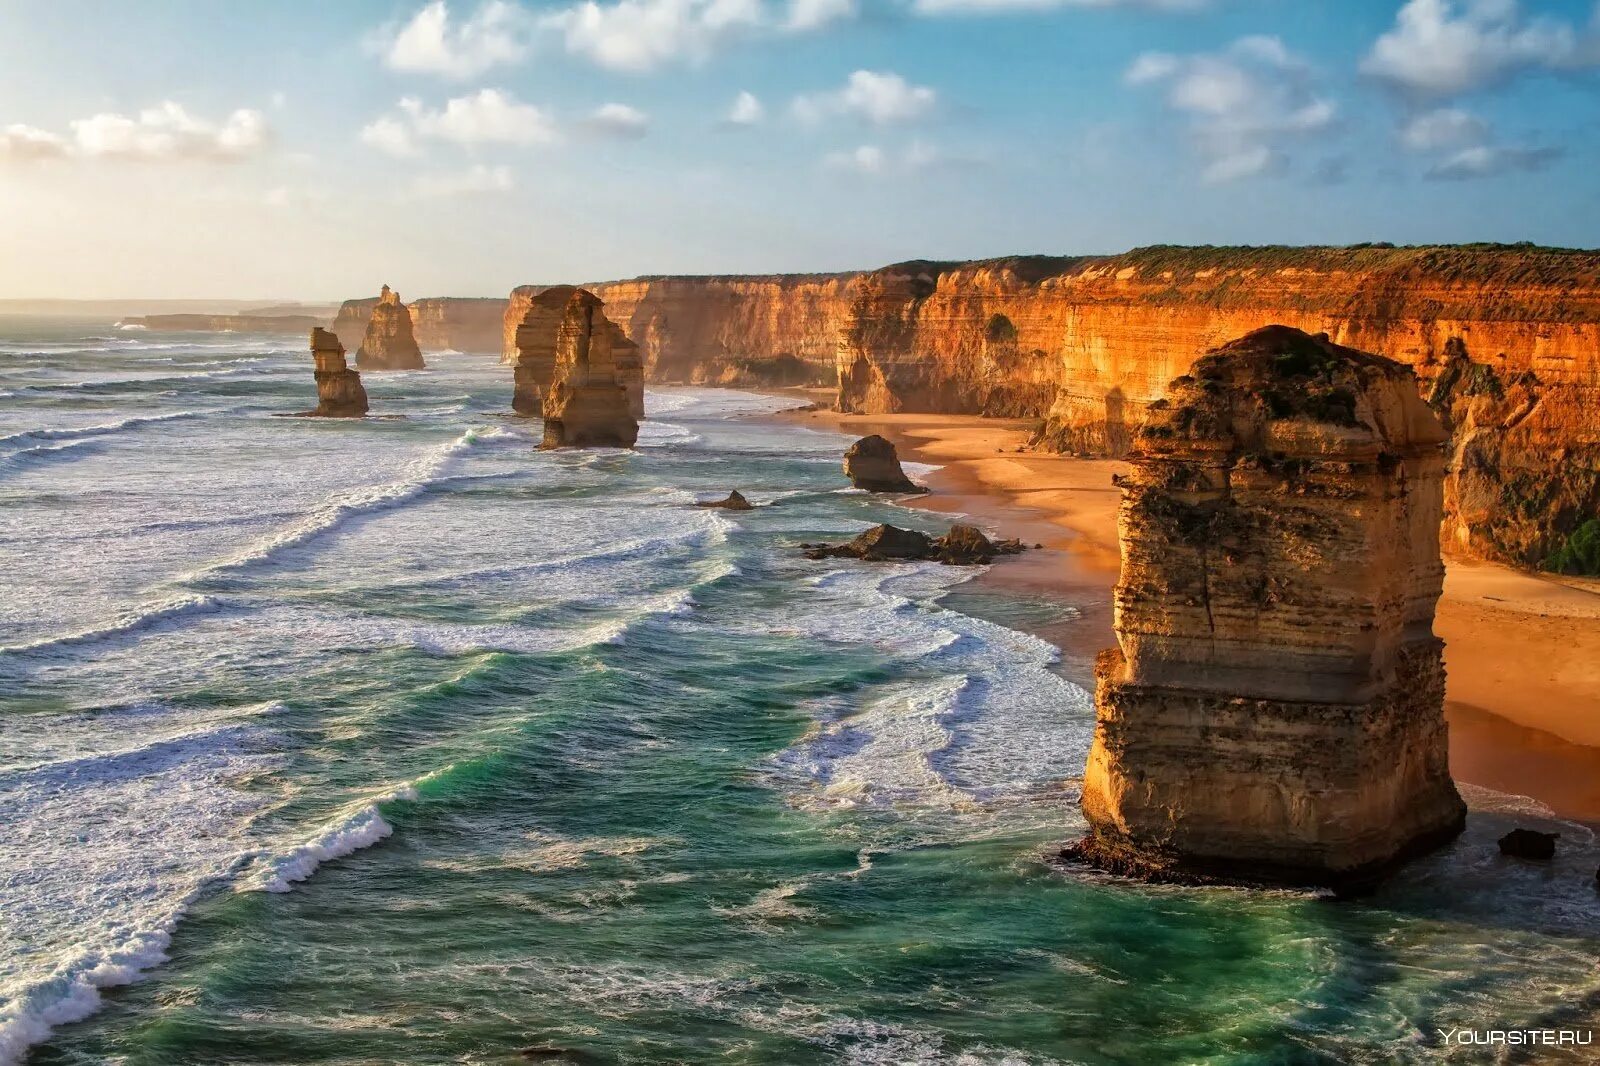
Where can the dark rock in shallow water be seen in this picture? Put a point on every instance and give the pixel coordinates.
(962, 546)
(874, 465)
(734, 502)
(1530, 844)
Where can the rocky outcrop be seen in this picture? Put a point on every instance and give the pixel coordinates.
(1086, 343)
(587, 404)
(1274, 708)
(389, 343)
(534, 357)
(223, 323)
(439, 323)
(339, 390)
(962, 546)
(1529, 844)
(735, 501)
(872, 463)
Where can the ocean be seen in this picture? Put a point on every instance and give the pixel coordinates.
(400, 741)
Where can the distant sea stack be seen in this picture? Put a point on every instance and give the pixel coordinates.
(339, 390)
(587, 404)
(1274, 708)
(439, 323)
(389, 343)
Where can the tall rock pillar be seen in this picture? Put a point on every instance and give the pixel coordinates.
(389, 343)
(1274, 708)
(339, 390)
(587, 402)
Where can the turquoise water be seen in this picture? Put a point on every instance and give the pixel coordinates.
(399, 741)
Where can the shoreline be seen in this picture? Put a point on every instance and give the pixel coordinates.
(1522, 651)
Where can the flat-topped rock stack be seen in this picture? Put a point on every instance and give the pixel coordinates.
(533, 363)
(1274, 708)
(339, 390)
(587, 403)
(389, 343)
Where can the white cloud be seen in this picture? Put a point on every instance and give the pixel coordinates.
(814, 14)
(1486, 161)
(30, 142)
(874, 160)
(746, 110)
(640, 35)
(986, 7)
(1441, 48)
(433, 43)
(489, 116)
(164, 132)
(1446, 127)
(881, 98)
(620, 121)
(1242, 105)
(475, 180)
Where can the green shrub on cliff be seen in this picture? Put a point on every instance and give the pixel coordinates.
(1580, 555)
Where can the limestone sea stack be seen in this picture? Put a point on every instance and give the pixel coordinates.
(389, 343)
(871, 463)
(586, 404)
(533, 361)
(1273, 711)
(339, 390)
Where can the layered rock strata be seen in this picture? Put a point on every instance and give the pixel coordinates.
(872, 463)
(534, 358)
(439, 323)
(1504, 338)
(587, 402)
(1274, 708)
(389, 343)
(339, 390)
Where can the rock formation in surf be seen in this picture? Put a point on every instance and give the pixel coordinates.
(1274, 708)
(872, 463)
(339, 390)
(439, 323)
(587, 404)
(962, 546)
(734, 501)
(533, 360)
(1505, 340)
(389, 343)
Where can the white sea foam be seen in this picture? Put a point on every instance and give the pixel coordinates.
(417, 478)
(358, 826)
(134, 620)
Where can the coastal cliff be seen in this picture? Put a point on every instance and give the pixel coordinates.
(1505, 341)
(224, 323)
(1273, 709)
(440, 323)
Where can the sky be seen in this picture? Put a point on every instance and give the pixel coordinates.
(315, 150)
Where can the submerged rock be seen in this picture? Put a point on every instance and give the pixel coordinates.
(1273, 709)
(734, 502)
(962, 546)
(1530, 844)
(339, 390)
(872, 463)
(389, 343)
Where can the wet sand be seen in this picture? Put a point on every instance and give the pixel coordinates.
(1522, 650)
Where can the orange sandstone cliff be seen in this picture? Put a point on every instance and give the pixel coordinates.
(1504, 339)
(586, 403)
(1274, 708)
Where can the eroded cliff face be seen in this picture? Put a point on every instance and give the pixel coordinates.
(537, 345)
(1274, 707)
(1087, 343)
(439, 323)
(389, 343)
(586, 404)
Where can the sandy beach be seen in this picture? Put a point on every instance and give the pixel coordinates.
(1522, 650)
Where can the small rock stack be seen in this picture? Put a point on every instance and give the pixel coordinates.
(339, 390)
(1274, 708)
(871, 463)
